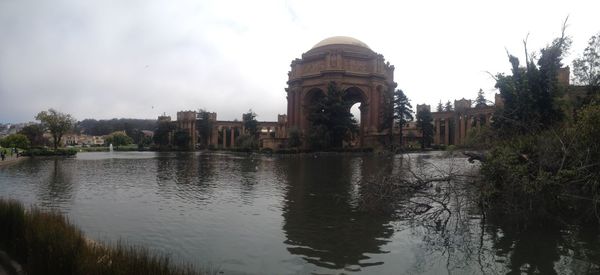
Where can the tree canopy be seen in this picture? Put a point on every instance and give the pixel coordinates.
(424, 123)
(181, 139)
(586, 68)
(402, 111)
(440, 107)
(448, 107)
(162, 133)
(250, 122)
(331, 122)
(529, 92)
(57, 123)
(204, 126)
(118, 139)
(15, 141)
(35, 134)
(480, 101)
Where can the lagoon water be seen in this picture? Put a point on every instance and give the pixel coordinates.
(305, 214)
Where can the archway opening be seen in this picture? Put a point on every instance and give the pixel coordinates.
(356, 99)
(356, 112)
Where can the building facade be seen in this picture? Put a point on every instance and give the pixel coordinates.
(452, 127)
(362, 74)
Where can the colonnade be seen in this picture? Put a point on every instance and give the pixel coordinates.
(452, 128)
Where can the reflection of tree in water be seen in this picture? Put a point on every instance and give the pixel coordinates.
(186, 168)
(59, 188)
(322, 221)
(187, 174)
(545, 246)
(442, 211)
(165, 172)
(248, 167)
(470, 240)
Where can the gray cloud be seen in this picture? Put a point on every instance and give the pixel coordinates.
(105, 59)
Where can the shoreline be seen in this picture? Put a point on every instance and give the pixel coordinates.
(11, 160)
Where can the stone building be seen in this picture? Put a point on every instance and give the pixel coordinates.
(362, 75)
(225, 133)
(452, 127)
(186, 121)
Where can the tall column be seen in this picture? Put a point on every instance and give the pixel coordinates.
(301, 117)
(214, 136)
(290, 101)
(294, 108)
(457, 130)
(224, 131)
(463, 124)
(469, 124)
(232, 131)
(447, 130)
(436, 140)
(374, 114)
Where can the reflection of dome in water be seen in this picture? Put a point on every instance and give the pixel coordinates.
(340, 40)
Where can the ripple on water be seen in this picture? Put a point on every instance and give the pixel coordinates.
(257, 214)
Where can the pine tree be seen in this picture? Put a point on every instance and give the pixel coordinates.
(448, 107)
(480, 101)
(424, 123)
(529, 92)
(402, 111)
(440, 107)
(331, 122)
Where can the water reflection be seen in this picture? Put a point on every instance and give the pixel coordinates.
(469, 238)
(303, 213)
(545, 246)
(57, 190)
(186, 175)
(321, 220)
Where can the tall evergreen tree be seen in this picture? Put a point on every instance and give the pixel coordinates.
(402, 111)
(162, 133)
(204, 125)
(480, 101)
(424, 123)
(330, 119)
(529, 92)
(250, 123)
(448, 107)
(440, 107)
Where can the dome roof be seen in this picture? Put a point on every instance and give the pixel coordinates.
(344, 40)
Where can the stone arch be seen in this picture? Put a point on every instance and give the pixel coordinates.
(361, 73)
(313, 94)
(354, 94)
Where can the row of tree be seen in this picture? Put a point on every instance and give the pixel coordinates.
(58, 124)
(480, 101)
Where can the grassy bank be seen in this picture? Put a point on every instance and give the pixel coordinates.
(46, 243)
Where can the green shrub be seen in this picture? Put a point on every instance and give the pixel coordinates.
(540, 172)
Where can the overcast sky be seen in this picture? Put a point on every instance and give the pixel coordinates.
(137, 59)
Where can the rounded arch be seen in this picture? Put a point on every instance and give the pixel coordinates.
(362, 76)
(355, 94)
(313, 94)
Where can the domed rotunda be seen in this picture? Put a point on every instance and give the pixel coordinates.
(362, 75)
